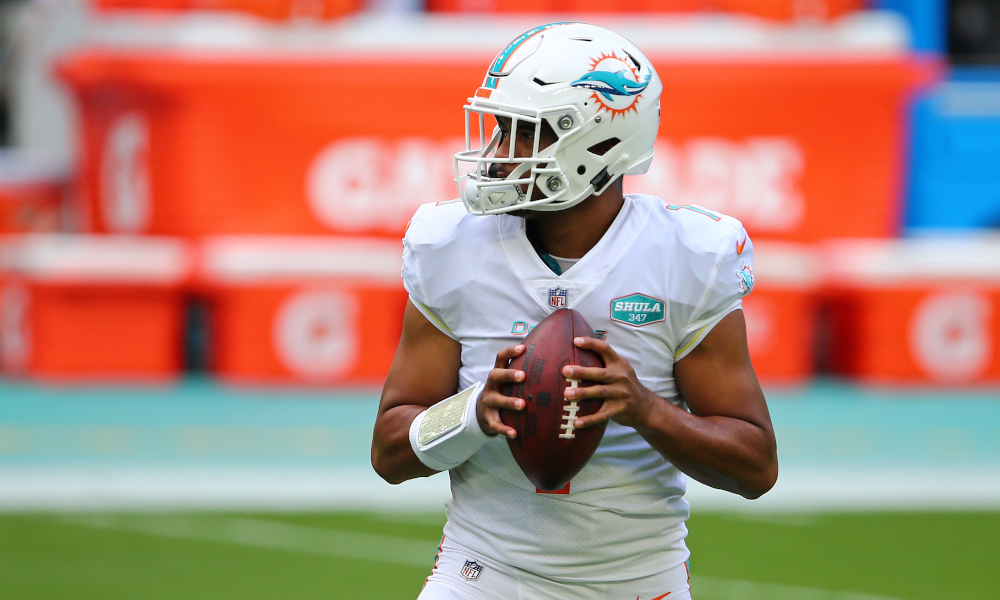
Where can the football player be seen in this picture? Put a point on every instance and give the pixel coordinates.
(565, 111)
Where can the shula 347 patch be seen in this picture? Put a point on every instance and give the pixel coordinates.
(637, 310)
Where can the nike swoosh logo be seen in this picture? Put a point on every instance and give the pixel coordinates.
(739, 250)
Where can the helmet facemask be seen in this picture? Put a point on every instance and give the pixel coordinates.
(537, 181)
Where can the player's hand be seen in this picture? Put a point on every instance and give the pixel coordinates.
(491, 400)
(625, 399)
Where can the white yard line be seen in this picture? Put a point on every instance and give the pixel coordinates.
(274, 535)
(232, 488)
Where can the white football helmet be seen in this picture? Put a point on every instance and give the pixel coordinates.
(591, 86)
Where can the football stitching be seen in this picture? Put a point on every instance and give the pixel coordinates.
(571, 408)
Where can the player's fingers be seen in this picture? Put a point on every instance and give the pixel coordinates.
(496, 424)
(499, 376)
(500, 428)
(508, 354)
(498, 401)
(591, 392)
(599, 346)
(608, 411)
(598, 374)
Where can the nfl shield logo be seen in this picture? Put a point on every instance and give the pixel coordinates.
(557, 298)
(471, 570)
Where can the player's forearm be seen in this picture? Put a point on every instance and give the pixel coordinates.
(721, 452)
(392, 455)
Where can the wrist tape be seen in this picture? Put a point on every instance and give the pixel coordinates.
(448, 433)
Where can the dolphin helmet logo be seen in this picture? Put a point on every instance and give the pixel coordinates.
(615, 82)
(610, 84)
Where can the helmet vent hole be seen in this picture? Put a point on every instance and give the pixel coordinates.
(581, 170)
(602, 148)
(582, 39)
(634, 61)
(543, 83)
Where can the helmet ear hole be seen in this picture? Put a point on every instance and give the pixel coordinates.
(634, 61)
(581, 170)
(602, 148)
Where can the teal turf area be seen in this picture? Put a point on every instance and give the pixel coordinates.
(217, 556)
(199, 491)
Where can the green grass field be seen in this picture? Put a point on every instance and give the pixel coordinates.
(215, 556)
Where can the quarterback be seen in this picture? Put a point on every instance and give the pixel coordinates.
(565, 111)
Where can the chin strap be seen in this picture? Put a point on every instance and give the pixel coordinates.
(605, 177)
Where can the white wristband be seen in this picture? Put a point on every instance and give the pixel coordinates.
(448, 433)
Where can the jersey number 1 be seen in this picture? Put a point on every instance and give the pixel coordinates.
(563, 490)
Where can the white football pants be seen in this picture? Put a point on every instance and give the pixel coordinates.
(460, 574)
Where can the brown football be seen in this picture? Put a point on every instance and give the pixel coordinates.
(547, 448)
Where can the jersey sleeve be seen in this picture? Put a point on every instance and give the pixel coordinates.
(413, 282)
(731, 280)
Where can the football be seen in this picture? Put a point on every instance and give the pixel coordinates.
(547, 447)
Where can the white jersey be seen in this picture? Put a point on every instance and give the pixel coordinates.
(660, 278)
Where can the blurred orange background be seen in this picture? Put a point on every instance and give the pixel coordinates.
(244, 170)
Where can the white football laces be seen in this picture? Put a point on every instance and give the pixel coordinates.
(571, 408)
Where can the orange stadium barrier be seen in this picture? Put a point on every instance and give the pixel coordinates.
(915, 310)
(90, 307)
(799, 149)
(778, 10)
(303, 309)
(188, 146)
(566, 6)
(781, 312)
(277, 10)
(786, 10)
